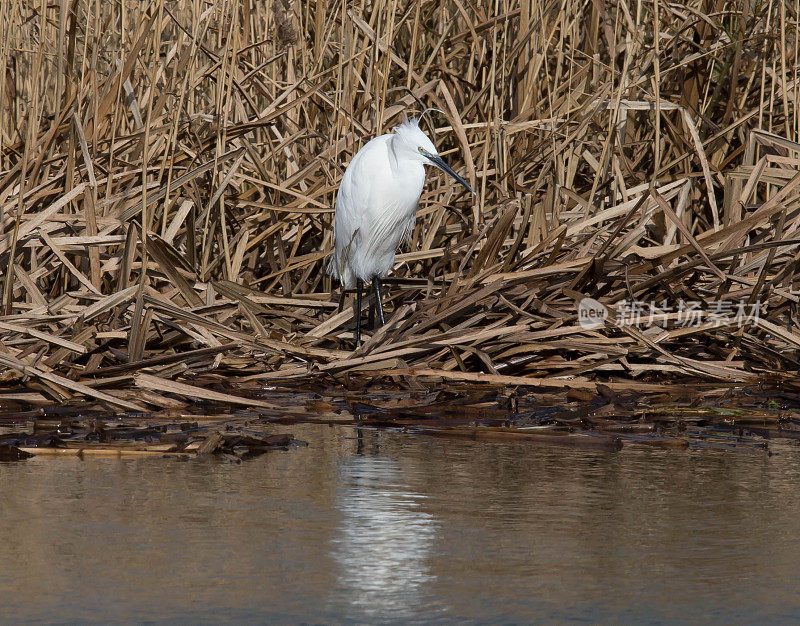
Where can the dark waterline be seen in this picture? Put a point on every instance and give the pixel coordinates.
(404, 528)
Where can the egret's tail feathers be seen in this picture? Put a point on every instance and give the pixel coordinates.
(340, 265)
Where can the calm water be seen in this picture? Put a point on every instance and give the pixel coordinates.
(402, 528)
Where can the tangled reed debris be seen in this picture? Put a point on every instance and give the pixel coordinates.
(167, 181)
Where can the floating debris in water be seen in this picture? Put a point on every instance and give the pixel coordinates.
(751, 419)
(12, 453)
(126, 436)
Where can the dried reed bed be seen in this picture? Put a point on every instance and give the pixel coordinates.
(168, 173)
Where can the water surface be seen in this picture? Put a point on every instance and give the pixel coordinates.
(404, 528)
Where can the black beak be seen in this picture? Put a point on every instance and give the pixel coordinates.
(440, 163)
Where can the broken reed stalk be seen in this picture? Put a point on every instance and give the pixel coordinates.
(168, 176)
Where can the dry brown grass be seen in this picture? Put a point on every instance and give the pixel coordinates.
(168, 172)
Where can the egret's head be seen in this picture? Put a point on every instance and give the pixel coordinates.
(413, 144)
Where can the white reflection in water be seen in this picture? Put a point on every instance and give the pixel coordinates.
(383, 542)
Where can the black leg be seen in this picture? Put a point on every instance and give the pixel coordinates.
(376, 285)
(341, 299)
(371, 315)
(359, 287)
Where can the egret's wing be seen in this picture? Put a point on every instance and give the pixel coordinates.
(389, 226)
(353, 201)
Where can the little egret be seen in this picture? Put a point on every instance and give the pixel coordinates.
(376, 207)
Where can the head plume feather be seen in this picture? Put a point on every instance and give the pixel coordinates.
(413, 122)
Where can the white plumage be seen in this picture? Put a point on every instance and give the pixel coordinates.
(376, 205)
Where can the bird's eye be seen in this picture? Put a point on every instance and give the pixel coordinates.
(421, 149)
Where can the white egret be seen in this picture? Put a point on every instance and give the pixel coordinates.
(376, 207)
